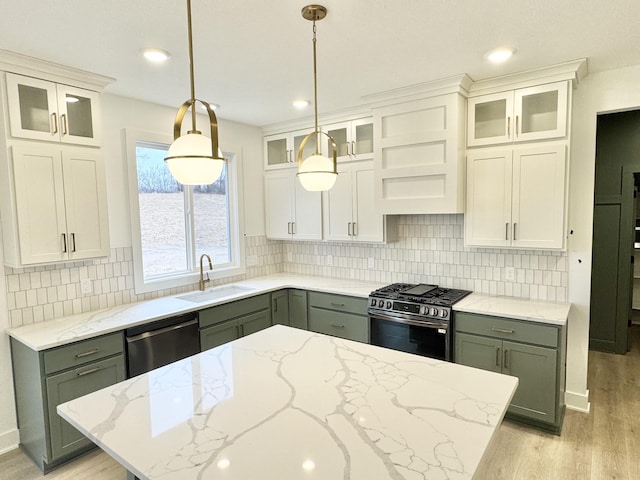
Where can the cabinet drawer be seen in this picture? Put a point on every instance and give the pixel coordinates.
(516, 330)
(344, 325)
(339, 303)
(218, 314)
(79, 353)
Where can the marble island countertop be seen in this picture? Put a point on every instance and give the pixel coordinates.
(54, 333)
(287, 404)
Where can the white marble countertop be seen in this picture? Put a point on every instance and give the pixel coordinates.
(54, 333)
(554, 313)
(286, 404)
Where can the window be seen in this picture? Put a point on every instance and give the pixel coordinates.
(173, 225)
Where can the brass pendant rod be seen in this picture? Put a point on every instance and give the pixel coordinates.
(192, 81)
(315, 88)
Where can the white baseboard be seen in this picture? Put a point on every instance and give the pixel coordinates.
(9, 441)
(577, 401)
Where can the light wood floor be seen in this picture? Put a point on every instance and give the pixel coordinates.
(604, 445)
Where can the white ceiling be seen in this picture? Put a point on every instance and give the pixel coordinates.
(253, 57)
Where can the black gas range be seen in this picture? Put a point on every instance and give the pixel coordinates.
(414, 318)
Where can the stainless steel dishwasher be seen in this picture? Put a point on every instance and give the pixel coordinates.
(159, 343)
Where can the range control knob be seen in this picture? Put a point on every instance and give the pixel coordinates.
(372, 302)
(434, 311)
(424, 310)
(380, 303)
(388, 305)
(444, 313)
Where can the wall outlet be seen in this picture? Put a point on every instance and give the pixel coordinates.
(329, 259)
(252, 260)
(289, 257)
(85, 286)
(370, 262)
(510, 274)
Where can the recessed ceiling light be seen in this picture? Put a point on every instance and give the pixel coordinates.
(500, 55)
(155, 55)
(301, 104)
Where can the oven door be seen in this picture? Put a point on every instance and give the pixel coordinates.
(422, 337)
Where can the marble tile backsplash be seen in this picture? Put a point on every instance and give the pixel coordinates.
(430, 249)
(37, 294)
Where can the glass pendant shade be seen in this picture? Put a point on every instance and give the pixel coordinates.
(191, 162)
(317, 173)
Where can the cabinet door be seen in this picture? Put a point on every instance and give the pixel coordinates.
(368, 222)
(538, 197)
(490, 119)
(219, 334)
(362, 139)
(298, 309)
(535, 367)
(308, 212)
(541, 112)
(488, 215)
(479, 352)
(39, 193)
(79, 112)
(32, 108)
(341, 134)
(278, 205)
(255, 322)
(72, 384)
(338, 211)
(86, 203)
(280, 307)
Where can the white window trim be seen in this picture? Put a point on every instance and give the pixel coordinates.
(236, 229)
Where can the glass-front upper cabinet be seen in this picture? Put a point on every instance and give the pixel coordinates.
(354, 139)
(526, 114)
(281, 150)
(42, 110)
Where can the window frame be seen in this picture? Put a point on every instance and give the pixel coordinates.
(236, 220)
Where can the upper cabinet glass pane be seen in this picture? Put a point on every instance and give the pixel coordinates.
(339, 136)
(34, 108)
(490, 119)
(364, 138)
(309, 147)
(277, 151)
(540, 112)
(79, 116)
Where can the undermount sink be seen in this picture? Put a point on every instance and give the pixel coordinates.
(214, 293)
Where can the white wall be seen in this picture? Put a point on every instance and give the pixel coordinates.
(120, 112)
(610, 91)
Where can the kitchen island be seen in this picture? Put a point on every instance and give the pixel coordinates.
(287, 404)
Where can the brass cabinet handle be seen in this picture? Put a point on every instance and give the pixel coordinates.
(336, 325)
(508, 126)
(87, 353)
(501, 330)
(506, 358)
(64, 243)
(293, 228)
(241, 330)
(506, 231)
(353, 148)
(88, 372)
(275, 305)
(347, 145)
(497, 356)
(353, 229)
(63, 121)
(337, 304)
(514, 231)
(517, 129)
(73, 242)
(349, 229)
(54, 123)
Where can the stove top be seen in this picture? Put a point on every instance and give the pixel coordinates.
(421, 293)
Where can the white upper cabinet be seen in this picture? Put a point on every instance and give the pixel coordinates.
(516, 197)
(354, 139)
(60, 205)
(43, 110)
(521, 115)
(292, 213)
(349, 212)
(281, 150)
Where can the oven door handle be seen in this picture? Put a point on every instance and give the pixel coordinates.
(427, 323)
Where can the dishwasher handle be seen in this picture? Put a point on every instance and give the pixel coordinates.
(161, 331)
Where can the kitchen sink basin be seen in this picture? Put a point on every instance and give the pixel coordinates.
(215, 293)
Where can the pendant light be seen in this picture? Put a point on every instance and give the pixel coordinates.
(194, 159)
(317, 172)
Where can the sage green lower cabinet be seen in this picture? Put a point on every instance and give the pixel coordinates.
(45, 379)
(227, 322)
(338, 315)
(537, 358)
(298, 309)
(280, 307)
